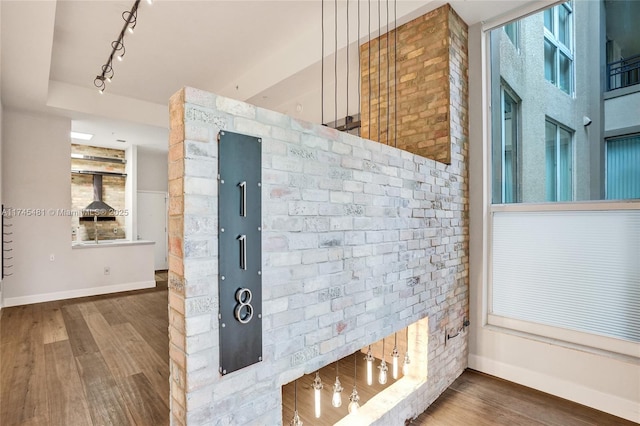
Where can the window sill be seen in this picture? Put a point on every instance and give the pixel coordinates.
(600, 345)
(594, 205)
(109, 243)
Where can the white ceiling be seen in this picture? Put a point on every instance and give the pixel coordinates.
(264, 52)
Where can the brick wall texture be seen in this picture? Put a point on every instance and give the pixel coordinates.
(360, 240)
(421, 97)
(113, 193)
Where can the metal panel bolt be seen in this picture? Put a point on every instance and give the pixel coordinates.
(222, 278)
(221, 229)
(224, 325)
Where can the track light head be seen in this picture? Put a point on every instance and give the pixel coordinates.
(118, 50)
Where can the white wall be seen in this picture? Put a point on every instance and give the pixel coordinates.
(1, 295)
(153, 176)
(595, 379)
(36, 175)
(153, 170)
(623, 111)
(1, 201)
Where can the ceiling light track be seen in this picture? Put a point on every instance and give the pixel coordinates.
(130, 18)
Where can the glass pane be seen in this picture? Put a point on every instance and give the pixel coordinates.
(548, 19)
(623, 168)
(565, 169)
(572, 269)
(550, 162)
(526, 170)
(511, 30)
(565, 73)
(564, 28)
(509, 144)
(549, 62)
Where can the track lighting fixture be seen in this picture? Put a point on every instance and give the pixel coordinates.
(405, 366)
(354, 399)
(130, 18)
(369, 359)
(407, 361)
(336, 400)
(354, 402)
(317, 388)
(295, 421)
(395, 355)
(382, 376)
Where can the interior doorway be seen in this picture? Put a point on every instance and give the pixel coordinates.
(152, 224)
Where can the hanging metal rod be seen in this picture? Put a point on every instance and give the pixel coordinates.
(116, 46)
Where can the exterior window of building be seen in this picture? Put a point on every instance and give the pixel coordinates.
(549, 162)
(512, 32)
(558, 46)
(558, 162)
(622, 170)
(509, 149)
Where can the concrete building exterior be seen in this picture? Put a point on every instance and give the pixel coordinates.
(567, 88)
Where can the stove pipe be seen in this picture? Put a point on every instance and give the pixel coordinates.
(97, 208)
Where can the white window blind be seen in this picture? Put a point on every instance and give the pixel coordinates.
(577, 270)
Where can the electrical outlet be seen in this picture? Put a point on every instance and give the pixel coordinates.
(107, 270)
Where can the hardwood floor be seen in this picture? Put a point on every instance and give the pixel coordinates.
(100, 360)
(478, 399)
(104, 361)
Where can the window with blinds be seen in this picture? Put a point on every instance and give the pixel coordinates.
(623, 168)
(577, 270)
(563, 234)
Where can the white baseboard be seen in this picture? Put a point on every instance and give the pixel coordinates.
(83, 292)
(593, 398)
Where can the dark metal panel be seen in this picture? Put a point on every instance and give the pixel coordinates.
(240, 250)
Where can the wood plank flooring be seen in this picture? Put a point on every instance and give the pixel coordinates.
(481, 400)
(100, 360)
(104, 361)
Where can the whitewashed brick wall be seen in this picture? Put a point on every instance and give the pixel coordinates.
(359, 240)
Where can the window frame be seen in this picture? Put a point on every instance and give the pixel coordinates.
(516, 33)
(559, 126)
(515, 133)
(560, 48)
(574, 340)
(606, 162)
